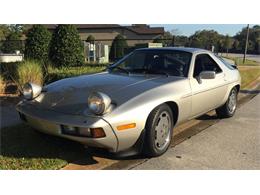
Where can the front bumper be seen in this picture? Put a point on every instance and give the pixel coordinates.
(50, 122)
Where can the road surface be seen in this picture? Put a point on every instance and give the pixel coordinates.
(248, 56)
(8, 116)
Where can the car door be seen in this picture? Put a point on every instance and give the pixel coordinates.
(206, 93)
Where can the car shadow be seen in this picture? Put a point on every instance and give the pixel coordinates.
(206, 117)
(249, 91)
(22, 141)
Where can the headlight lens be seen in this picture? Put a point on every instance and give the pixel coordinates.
(98, 103)
(31, 91)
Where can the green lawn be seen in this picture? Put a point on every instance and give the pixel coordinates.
(55, 74)
(248, 74)
(24, 148)
(239, 61)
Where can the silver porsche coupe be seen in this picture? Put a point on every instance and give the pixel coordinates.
(135, 104)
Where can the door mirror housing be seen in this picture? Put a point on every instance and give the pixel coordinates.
(206, 75)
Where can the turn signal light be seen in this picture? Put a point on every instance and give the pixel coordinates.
(126, 126)
(97, 132)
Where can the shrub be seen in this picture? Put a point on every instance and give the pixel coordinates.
(12, 43)
(90, 39)
(9, 69)
(29, 71)
(55, 74)
(118, 48)
(37, 43)
(66, 48)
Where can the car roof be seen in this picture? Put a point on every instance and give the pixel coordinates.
(185, 49)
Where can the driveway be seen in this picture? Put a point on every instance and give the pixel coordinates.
(8, 115)
(230, 144)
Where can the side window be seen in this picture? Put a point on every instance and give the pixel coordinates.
(204, 62)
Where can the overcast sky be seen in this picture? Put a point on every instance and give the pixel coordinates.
(189, 29)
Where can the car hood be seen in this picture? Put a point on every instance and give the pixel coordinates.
(70, 95)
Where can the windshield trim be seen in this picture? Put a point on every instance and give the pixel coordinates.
(151, 50)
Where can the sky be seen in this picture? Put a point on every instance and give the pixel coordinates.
(189, 29)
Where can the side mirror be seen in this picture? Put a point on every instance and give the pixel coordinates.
(206, 75)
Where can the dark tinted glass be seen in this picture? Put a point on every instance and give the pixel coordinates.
(204, 62)
(175, 63)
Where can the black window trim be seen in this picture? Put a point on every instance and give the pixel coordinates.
(210, 57)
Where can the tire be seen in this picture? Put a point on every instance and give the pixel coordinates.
(159, 130)
(229, 108)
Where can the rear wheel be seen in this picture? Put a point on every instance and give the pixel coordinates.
(229, 108)
(159, 130)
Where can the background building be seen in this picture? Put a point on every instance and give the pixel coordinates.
(105, 33)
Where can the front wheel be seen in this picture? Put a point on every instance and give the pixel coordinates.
(159, 130)
(229, 108)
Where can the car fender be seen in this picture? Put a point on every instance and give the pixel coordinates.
(138, 109)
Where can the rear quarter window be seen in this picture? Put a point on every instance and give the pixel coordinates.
(226, 63)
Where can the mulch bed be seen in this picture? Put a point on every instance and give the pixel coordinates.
(11, 95)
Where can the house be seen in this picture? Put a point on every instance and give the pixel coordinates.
(105, 33)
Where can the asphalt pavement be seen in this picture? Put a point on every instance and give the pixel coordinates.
(248, 56)
(8, 116)
(232, 143)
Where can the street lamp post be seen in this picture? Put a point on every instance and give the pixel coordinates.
(247, 35)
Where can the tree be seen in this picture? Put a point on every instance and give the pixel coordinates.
(4, 31)
(167, 39)
(220, 45)
(18, 28)
(118, 48)
(205, 39)
(235, 45)
(181, 40)
(37, 43)
(254, 39)
(10, 37)
(227, 43)
(66, 48)
(12, 43)
(90, 39)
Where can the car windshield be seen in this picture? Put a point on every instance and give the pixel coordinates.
(167, 62)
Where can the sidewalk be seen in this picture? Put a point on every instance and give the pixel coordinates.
(229, 144)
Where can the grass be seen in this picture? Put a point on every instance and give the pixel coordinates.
(24, 148)
(29, 71)
(248, 75)
(55, 74)
(239, 61)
